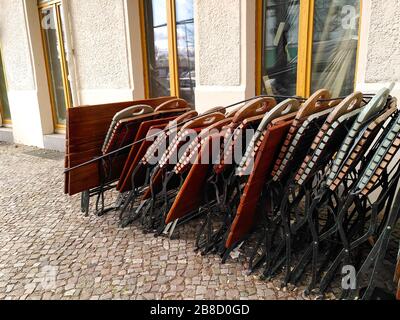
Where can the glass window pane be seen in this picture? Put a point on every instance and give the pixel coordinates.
(335, 45)
(186, 49)
(280, 46)
(157, 47)
(61, 13)
(4, 106)
(51, 40)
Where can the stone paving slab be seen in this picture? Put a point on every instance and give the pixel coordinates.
(49, 250)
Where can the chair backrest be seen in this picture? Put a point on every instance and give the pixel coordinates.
(286, 107)
(125, 114)
(191, 153)
(295, 149)
(254, 108)
(318, 102)
(244, 166)
(383, 156)
(192, 193)
(361, 145)
(172, 105)
(325, 146)
(131, 162)
(314, 104)
(219, 109)
(232, 138)
(371, 110)
(350, 103)
(123, 133)
(197, 125)
(233, 112)
(133, 112)
(164, 139)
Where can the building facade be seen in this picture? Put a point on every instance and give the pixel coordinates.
(58, 54)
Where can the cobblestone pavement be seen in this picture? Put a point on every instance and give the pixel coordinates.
(49, 250)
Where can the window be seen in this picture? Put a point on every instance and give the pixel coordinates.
(306, 45)
(169, 55)
(53, 36)
(4, 106)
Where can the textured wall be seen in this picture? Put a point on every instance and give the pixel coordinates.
(384, 42)
(219, 36)
(99, 36)
(14, 45)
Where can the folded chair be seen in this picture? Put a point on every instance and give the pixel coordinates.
(299, 140)
(138, 176)
(380, 175)
(325, 145)
(192, 169)
(361, 145)
(264, 147)
(299, 146)
(255, 110)
(345, 177)
(115, 150)
(87, 129)
(233, 144)
(124, 132)
(260, 175)
(124, 180)
(191, 195)
(276, 186)
(164, 182)
(321, 193)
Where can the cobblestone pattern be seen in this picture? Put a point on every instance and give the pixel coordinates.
(49, 250)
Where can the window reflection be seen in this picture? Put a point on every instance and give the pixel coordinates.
(335, 45)
(186, 49)
(157, 47)
(280, 46)
(4, 106)
(52, 43)
(161, 46)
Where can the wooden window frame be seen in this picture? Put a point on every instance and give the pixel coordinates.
(56, 5)
(305, 49)
(7, 122)
(172, 48)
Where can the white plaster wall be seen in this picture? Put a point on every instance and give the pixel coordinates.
(218, 30)
(379, 52)
(101, 50)
(15, 47)
(106, 44)
(25, 71)
(26, 120)
(384, 42)
(225, 51)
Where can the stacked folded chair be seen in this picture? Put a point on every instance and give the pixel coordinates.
(100, 149)
(304, 188)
